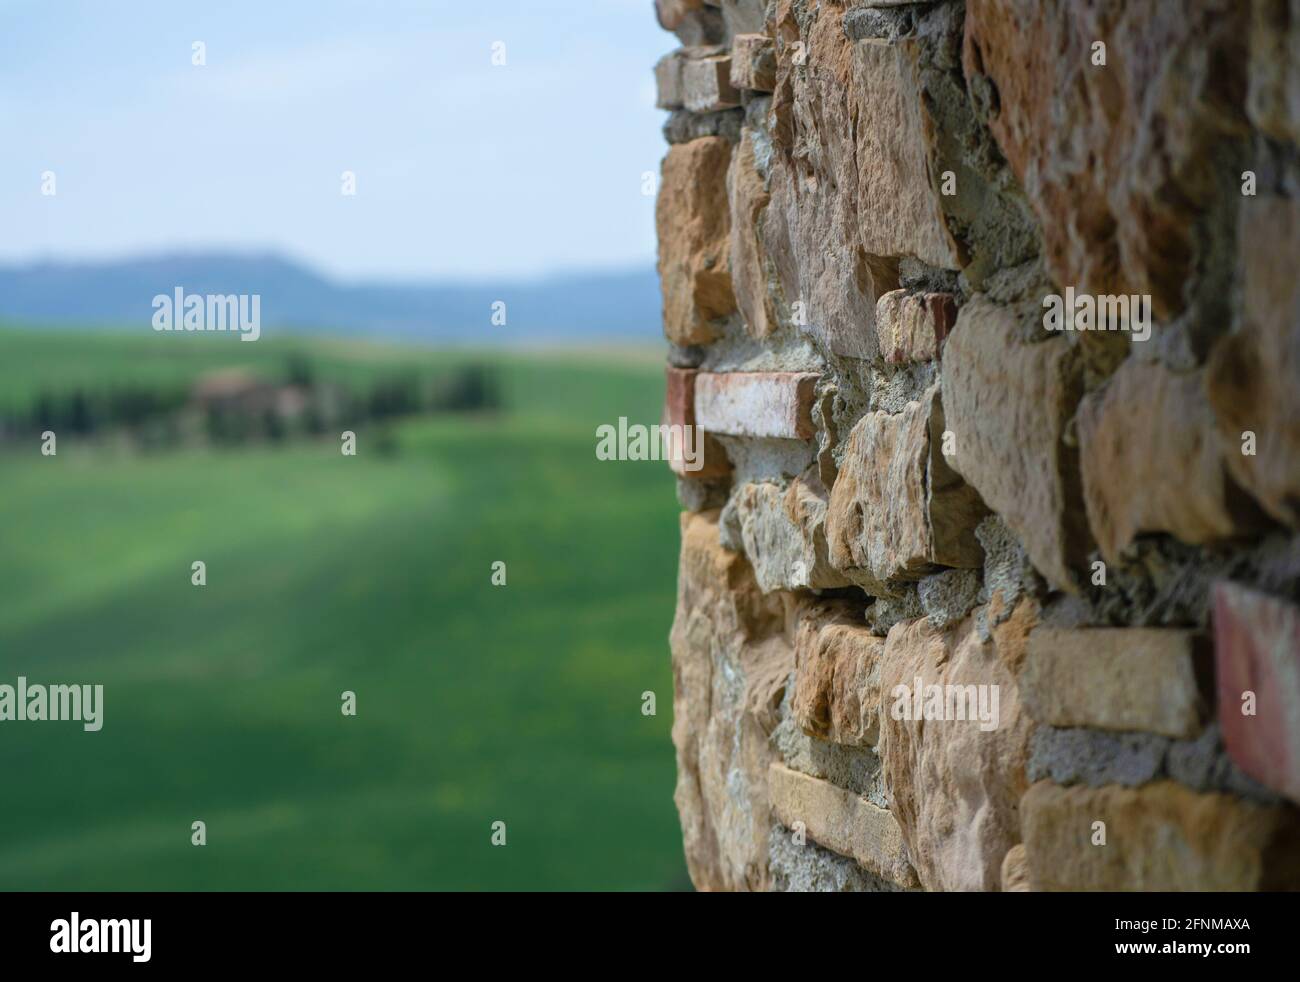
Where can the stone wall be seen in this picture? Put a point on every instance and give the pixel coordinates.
(967, 601)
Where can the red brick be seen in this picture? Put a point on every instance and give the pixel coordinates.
(1257, 649)
(679, 410)
(758, 404)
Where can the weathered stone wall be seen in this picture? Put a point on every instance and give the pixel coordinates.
(1086, 539)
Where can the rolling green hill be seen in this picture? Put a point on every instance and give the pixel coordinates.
(327, 573)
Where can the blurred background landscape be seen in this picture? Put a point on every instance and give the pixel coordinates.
(326, 573)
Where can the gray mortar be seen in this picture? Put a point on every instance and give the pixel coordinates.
(949, 596)
(894, 386)
(809, 868)
(889, 23)
(762, 459)
(685, 356)
(683, 126)
(1161, 582)
(850, 400)
(854, 768)
(1094, 758)
(736, 351)
(886, 612)
(1006, 569)
(694, 494)
(920, 277)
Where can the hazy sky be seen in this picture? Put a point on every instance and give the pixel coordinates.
(463, 168)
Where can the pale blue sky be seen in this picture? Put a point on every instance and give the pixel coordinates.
(464, 169)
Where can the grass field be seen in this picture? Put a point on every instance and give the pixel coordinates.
(328, 573)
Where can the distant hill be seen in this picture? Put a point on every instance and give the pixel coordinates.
(614, 306)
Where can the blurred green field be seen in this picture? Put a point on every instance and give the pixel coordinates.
(329, 573)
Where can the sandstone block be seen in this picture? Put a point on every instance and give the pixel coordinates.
(743, 16)
(756, 286)
(692, 21)
(668, 81)
(1273, 101)
(694, 229)
(753, 62)
(911, 327)
(837, 683)
(1015, 871)
(1150, 460)
(1007, 405)
(1158, 837)
(756, 404)
(841, 821)
(1135, 678)
(669, 85)
(1257, 650)
(897, 206)
(955, 784)
(783, 531)
(706, 84)
(1254, 375)
(887, 515)
(812, 231)
(730, 657)
(1119, 188)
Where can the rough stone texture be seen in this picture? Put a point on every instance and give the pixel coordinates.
(1007, 404)
(876, 202)
(837, 683)
(1141, 679)
(757, 289)
(1092, 757)
(888, 515)
(1273, 101)
(668, 81)
(949, 596)
(1015, 871)
(1096, 758)
(842, 822)
(694, 233)
(912, 326)
(813, 229)
(1254, 375)
(1117, 160)
(683, 126)
(856, 769)
(757, 404)
(669, 78)
(783, 534)
(899, 209)
(753, 62)
(706, 84)
(1158, 837)
(743, 16)
(1150, 460)
(691, 20)
(1257, 649)
(954, 787)
(808, 868)
(728, 645)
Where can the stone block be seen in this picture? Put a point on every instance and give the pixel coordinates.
(1160, 837)
(1123, 678)
(841, 821)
